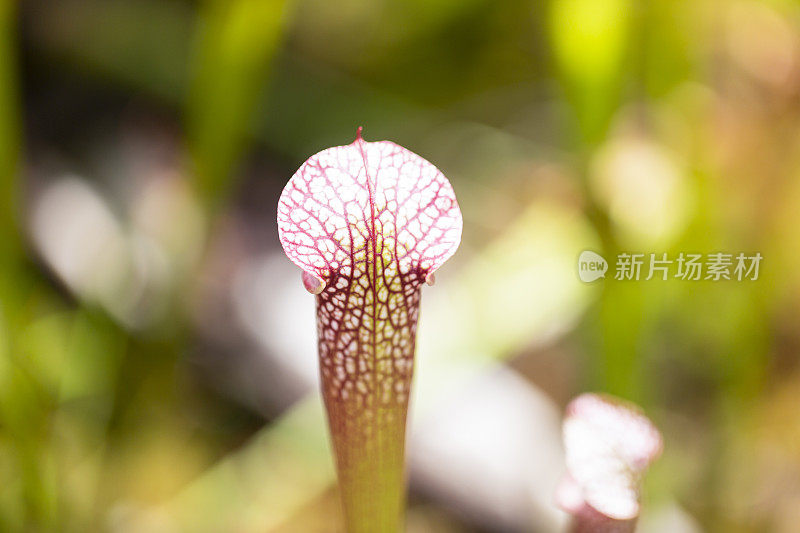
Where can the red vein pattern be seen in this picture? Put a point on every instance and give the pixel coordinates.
(368, 223)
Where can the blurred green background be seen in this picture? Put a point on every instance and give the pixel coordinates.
(157, 351)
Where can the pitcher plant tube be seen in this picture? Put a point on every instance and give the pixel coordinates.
(368, 223)
(609, 445)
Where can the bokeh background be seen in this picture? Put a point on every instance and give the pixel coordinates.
(157, 350)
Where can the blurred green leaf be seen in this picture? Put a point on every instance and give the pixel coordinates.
(590, 41)
(234, 44)
(9, 136)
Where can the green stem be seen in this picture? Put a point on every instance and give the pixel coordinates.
(369, 448)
